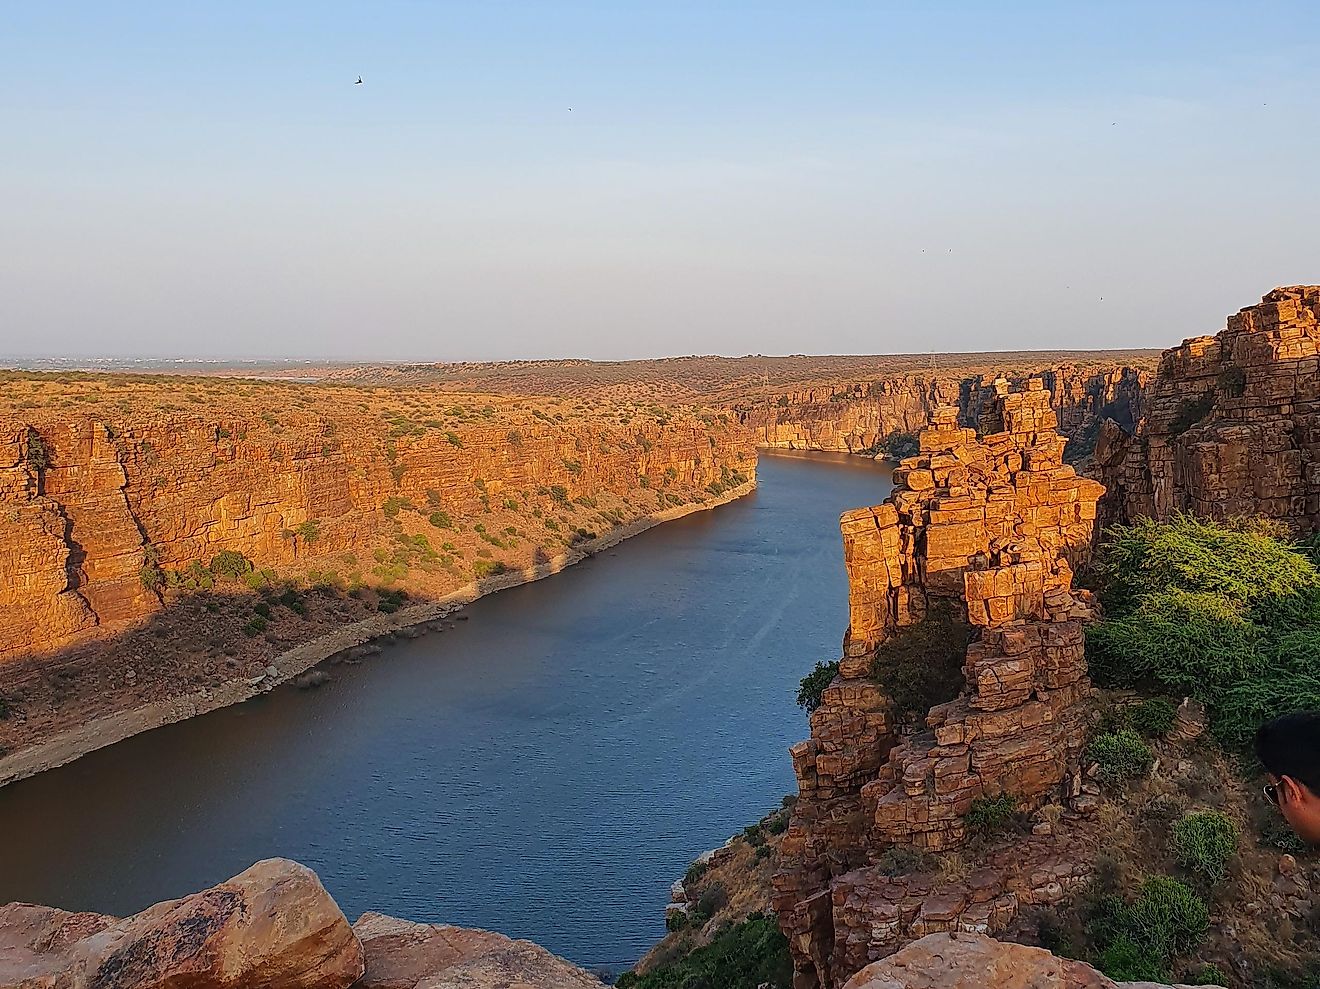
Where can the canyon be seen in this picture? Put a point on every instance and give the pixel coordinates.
(166, 541)
(1231, 422)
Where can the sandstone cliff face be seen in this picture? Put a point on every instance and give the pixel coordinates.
(87, 500)
(855, 416)
(993, 524)
(1231, 424)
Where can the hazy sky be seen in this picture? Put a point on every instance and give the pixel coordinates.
(204, 179)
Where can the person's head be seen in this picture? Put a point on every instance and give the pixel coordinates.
(1289, 749)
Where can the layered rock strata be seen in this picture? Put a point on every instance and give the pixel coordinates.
(1231, 423)
(856, 416)
(87, 502)
(273, 926)
(993, 525)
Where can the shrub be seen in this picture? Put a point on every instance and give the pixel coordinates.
(151, 576)
(990, 815)
(777, 824)
(1139, 939)
(921, 665)
(1153, 717)
(814, 683)
(255, 627)
(453, 439)
(310, 530)
(1204, 843)
(694, 872)
(229, 564)
(514, 437)
(1233, 382)
(899, 445)
(262, 608)
(744, 956)
(4, 708)
(1209, 974)
(1190, 412)
(1122, 755)
(712, 900)
(38, 456)
(1226, 612)
(488, 568)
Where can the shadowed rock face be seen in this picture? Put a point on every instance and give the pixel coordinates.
(1231, 422)
(973, 961)
(272, 927)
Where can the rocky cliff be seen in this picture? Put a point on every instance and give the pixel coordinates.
(273, 926)
(990, 526)
(855, 416)
(167, 540)
(1231, 422)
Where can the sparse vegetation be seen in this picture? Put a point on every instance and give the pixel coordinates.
(749, 955)
(1122, 755)
(814, 683)
(1226, 613)
(1204, 843)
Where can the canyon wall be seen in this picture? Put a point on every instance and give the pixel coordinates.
(1231, 423)
(854, 416)
(88, 501)
(991, 526)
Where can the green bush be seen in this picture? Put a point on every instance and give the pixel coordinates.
(38, 457)
(1138, 940)
(488, 568)
(1122, 755)
(255, 627)
(1152, 717)
(1209, 974)
(1204, 843)
(990, 815)
(744, 956)
(712, 900)
(694, 873)
(921, 665)
(814, 683)
(229, 564)
(1228, 613)
(899, 445)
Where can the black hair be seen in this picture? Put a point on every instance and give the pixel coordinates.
(1290, 746)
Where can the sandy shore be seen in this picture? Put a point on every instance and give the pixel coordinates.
(70, 744)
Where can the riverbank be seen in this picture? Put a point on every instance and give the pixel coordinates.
(66, 746)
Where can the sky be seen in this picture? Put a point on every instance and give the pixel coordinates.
(627, 180)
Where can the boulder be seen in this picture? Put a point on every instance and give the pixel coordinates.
(401, 954)
(974, 961)
(272, 927)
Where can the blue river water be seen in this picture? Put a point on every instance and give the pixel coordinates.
(545, 769)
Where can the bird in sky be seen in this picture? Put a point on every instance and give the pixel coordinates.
(359, 82)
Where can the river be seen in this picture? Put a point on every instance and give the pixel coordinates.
(545, 769)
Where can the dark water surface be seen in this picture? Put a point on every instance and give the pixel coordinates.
(545, 769)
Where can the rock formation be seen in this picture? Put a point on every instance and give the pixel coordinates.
(856, 416)
(271, 927)
(973, 961)
(992, 525)
(1231, 423)
(86, 501)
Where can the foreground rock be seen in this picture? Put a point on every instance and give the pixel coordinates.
(404, 955)
(273, 927)
(973, 961)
